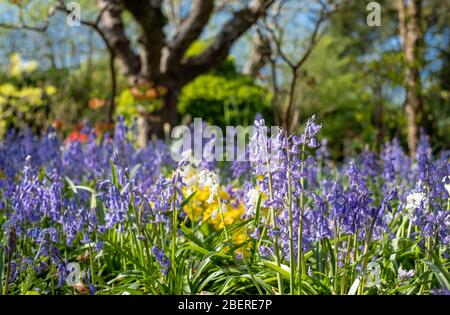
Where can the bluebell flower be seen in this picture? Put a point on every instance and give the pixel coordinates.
(162, 259)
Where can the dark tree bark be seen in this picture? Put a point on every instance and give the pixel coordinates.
(168, 115)
(114, 34)
(112, 73)
(162, 61)
(411, 36)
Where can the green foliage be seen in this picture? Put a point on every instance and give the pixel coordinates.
(223, 96)
(339, 88)
(24, 96)
(224, 100)
(336, 94)
(436, 95)
(90, 80)
(128, 106)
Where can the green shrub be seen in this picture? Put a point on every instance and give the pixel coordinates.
(224, 100)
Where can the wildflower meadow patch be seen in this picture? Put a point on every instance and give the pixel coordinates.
(97, 215)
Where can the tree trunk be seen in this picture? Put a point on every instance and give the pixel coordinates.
(161, 60)
(142, 125)
(163, 120)
(410, 18)
(112, 97)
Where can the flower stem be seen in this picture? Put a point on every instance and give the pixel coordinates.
(336, 258)
(347, 263)
(222, 219)
(174, 235)
(273, 221)
(291, 229)
(300, 262)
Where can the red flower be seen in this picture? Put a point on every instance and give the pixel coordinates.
(76, 136)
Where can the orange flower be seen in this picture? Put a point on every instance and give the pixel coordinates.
(95, 103)
(152, 93)
(57, 124)
(137, 94)
(147, 91)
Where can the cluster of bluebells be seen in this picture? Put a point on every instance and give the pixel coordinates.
(42, 198)
(362, 197)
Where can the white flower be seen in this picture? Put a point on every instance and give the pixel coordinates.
(447, 186)
(209, 179)
(252, 200)
(253, 196)
(374, 275)
(189, 175)
(414, 200)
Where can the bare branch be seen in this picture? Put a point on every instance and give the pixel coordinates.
(219, 49)
(22, 26)
(95, 25)
(110, 28)
(261, 52)
(313, 40)
(278, 40)
(39, 29)
(173, 14)
(288, 118)
(189, 30)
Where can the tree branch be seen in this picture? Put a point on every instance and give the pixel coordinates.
(277, 40)
(112, 30)
(289, 118)
(261, 52)
(149, 15)
(189, 30)
(23, 26)
(219, 49)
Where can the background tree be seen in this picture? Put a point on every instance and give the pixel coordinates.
(161, 61)
(410, 18)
